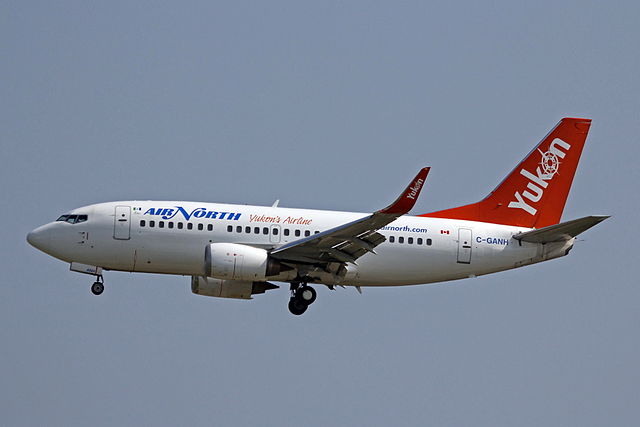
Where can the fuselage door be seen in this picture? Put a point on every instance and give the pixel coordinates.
(274, 236)
(464, 246)
(122, 223)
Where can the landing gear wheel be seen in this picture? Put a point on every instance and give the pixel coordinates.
(306, 294)
(297, 306)
(97, 288)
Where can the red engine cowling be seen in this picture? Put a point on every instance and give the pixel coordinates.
(232, 261)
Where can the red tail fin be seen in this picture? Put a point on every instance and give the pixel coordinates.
(534, 194)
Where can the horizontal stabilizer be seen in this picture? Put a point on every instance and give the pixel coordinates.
(562, 231)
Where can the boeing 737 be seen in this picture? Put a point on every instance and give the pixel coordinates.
(237, 251)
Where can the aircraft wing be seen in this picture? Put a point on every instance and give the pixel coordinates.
(348, 242)
(559, 232)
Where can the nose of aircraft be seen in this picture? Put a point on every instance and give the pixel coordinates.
(39, 238)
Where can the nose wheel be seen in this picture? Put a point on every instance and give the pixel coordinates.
(98, 286)
(302, 296)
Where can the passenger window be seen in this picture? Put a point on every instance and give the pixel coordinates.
(161, 224)
(297, 233)
(209, 227)
(286, 231)
(170, 224)
(81, 218)
(410, 240)
(392, 239)
(265, 230)
(247, 229)
(142, 222)
(180, 226)
(400, 239)
(428, 242)
(239, 229)
(229, 228)
(200, 227)
(189, 226)
(152, 223)
(419, 240)
(307, 233)
(256, 230)
(275, 231)
(316, 232)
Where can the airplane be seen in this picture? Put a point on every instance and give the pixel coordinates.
(237, 251)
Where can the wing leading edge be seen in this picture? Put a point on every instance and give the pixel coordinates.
(348, 242)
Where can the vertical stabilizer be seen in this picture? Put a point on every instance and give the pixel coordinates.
(534, 194)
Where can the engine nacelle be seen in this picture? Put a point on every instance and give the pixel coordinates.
(212, 287)
(232, 261)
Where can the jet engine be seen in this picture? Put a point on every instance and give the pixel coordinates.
(232, 261)
(239, 289)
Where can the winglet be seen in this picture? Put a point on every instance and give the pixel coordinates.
(408, 198)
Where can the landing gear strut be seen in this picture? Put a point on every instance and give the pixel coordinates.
(302, 296)
(98, 286)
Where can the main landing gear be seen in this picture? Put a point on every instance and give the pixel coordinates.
(98, 286)
(302, 296)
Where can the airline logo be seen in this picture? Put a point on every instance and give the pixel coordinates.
(195, 213)
(414, 189)
(539, 181)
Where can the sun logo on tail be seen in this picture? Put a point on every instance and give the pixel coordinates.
(549, 162)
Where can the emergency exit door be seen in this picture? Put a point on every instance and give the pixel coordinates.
(464, 246)
(122, 223)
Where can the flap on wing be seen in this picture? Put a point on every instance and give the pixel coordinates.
(344, 243)
(562, 231)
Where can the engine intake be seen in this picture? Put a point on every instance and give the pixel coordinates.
(232, 261)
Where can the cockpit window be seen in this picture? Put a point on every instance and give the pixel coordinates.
(73, 219)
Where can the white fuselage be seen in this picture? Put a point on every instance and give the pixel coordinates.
(170, 238)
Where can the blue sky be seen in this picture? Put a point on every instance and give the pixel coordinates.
(331, 105)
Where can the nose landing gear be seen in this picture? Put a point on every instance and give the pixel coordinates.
(302, 296)
(98, 286)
